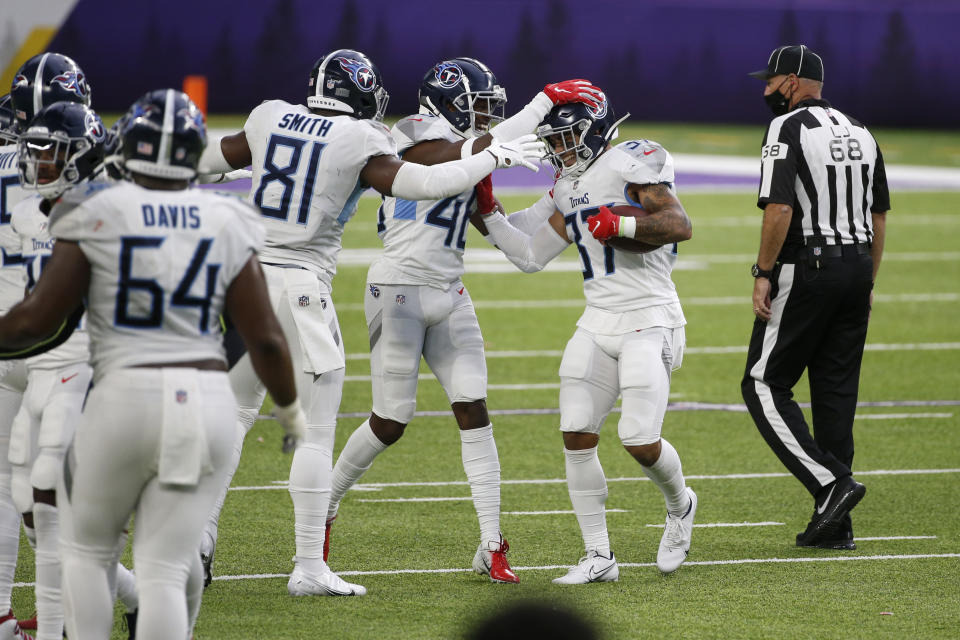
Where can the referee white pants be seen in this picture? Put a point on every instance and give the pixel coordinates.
(140, 427)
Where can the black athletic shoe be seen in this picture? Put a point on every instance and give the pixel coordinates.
(842, 541)
(828, 514)
(130, 620)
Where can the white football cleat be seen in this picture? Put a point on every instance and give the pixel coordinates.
(593, 567)
(677, 532)
(324, 584)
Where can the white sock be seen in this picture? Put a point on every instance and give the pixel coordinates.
(667, 474)
(194, 593)
(9, 545)
(357, 456)
(49, 603)
(482, 466)
(127, 588)
(588, 494)
(245, 421)
(310, 477)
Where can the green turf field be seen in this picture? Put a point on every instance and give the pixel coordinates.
(739, 582)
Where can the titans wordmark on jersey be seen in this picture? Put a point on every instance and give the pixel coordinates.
(618, 281)
(306, 179)
(161, 263)
(32, 228)
(423, 241)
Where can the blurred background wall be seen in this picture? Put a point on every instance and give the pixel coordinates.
(889, 62)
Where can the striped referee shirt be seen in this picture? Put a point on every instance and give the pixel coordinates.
(828, 167)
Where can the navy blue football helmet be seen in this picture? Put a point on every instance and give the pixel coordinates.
(163, 136)
(348, 81)
(576, 134)
(44, 79)
(460, 90)
(7, 127)
(62, 146)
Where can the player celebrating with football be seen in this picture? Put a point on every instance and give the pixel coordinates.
(630, 336)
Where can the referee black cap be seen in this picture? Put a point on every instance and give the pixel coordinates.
(798, 59)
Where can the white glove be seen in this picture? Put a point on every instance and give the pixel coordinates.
(294, 423)
(216, 178)
(523, 151)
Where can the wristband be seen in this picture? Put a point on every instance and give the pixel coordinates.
(628, 227)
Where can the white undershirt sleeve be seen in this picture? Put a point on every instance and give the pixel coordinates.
(212, 160)
(529, 219)
(419, 182)
(529, 252)
(525, 120)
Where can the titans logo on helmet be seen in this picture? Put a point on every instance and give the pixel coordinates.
(600, 111)
(20, 81)
(73, 82)
(449, 74)
(95, 127)
(192, 118)
(361, 74)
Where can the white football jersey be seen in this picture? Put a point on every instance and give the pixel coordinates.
(423, 241)
(306, 179)
(616, 281)
(32, 227)
(13, 278)
(161, 263)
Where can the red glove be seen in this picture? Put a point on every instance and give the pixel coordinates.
(574, 91)
(604, 224)
(486, 203)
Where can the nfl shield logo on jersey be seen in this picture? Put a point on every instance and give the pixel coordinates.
(401, 299)
(304, 301)
(181, 396)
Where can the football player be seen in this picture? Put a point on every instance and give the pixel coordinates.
(13, 375)
(157, 262)
(311, 164)
(630, 336)
(417, 305)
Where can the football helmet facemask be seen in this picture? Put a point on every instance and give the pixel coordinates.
(163, 136)
(576, 134)
(348, 81)
(44, 79)
(465, 93)
(62, 146)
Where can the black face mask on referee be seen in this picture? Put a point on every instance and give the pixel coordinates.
(778, 103)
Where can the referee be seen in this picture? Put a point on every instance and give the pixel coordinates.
(823, 191)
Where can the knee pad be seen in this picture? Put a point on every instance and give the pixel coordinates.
(21, 489)
(46, 469)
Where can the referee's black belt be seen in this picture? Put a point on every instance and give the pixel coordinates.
(793, 254)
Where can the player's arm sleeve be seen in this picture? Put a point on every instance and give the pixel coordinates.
(881, 192)
(778, 163)
(418, 182)
(528, 252)
(529, 219)
(525, 120)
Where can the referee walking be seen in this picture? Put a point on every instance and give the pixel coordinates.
(823, 191)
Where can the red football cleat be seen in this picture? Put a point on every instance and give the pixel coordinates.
(491, 560)
(10, 629)
(30, 624)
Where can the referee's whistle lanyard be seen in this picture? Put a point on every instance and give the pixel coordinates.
(778, 103)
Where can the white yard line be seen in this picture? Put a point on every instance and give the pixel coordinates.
(730, 524)
(552, 513)
(874, 538)
(282, 485)
(901, 416)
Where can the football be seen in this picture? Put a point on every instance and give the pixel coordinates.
(629, 244)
